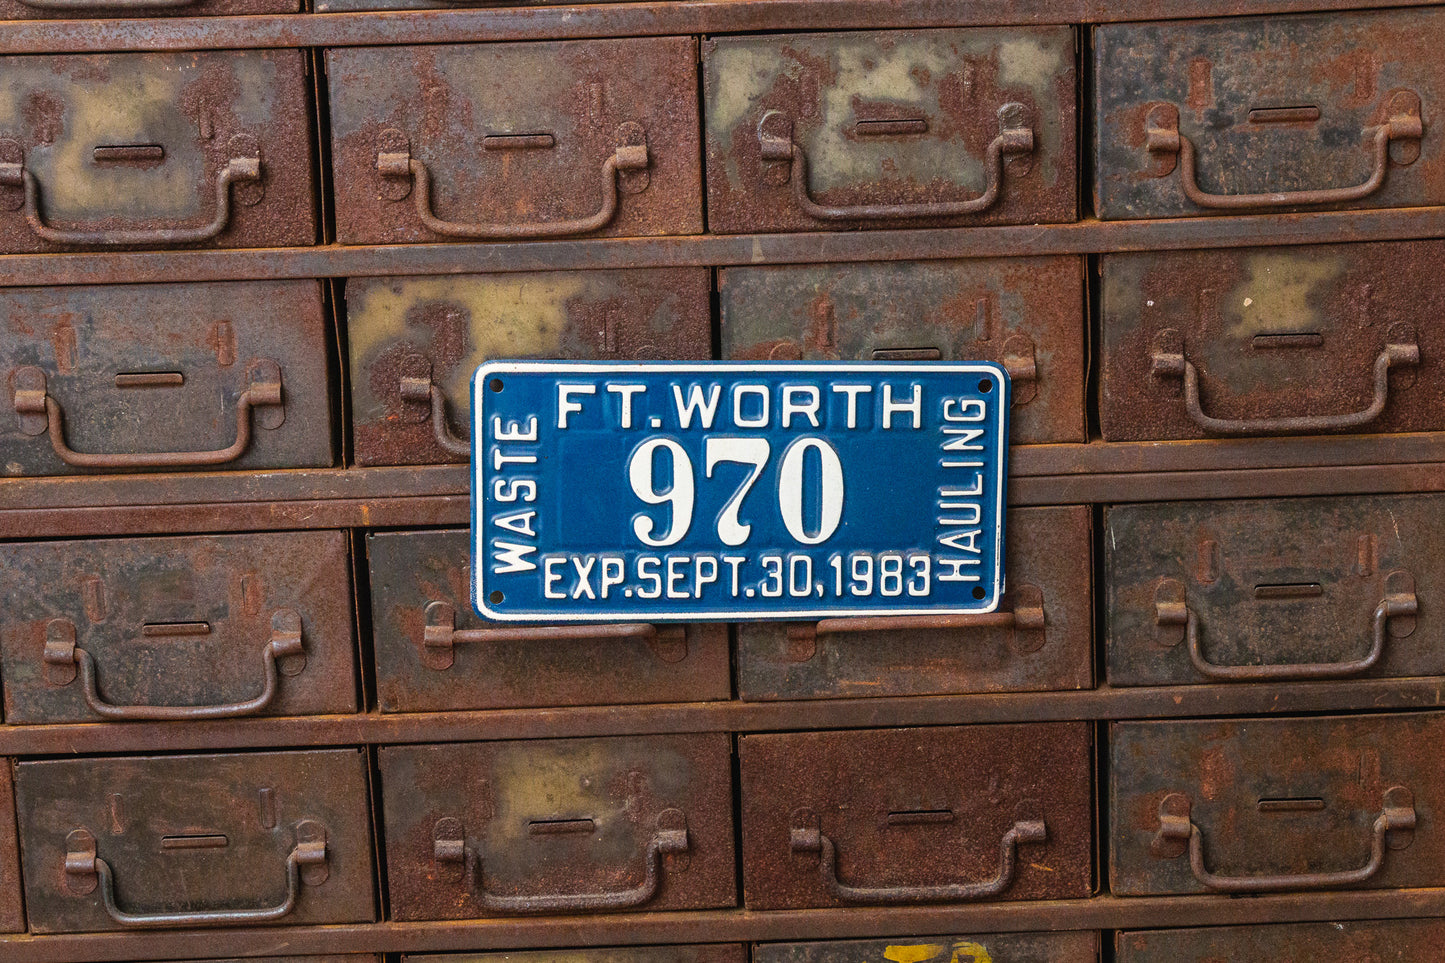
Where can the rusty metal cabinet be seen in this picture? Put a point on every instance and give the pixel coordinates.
(12, 917)
(1024, 313)
(884, 816)
(1276, 805)
(178, 841)
(886, 128)
(434, 653)
(1382, 941)
(515, 141)
(1041, 637)
(414, 342)
(558, 826)
(188, 627)
(1269, 114)
(1273, 590)
(155, 149)
(974, 948)
(1273, 341)
(150, 377)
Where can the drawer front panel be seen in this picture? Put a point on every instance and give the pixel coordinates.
(155, 150)
(974, 948)
(516, 141)
(12, 919)
(1270, 805)
(1256, 114)
(880, 816)
(701, 953)
(164, 376)
(171, 841)
(922, 128)
(559, 826)
(1378, 941)
(409, 337)
(1273, 341)
(1273, 590)
(1024, 313)
(434, 653)
(1048, 645)
(67, 10)
(195, 627)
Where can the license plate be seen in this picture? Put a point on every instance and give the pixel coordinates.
(657, 492)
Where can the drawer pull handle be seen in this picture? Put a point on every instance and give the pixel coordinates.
(1177, 828)
(39, 412)
(401, 165)
(810, 839)
(63, 657)
(1169, 360)
(1162, 137)
(440, 635)
(669, 839)
(775, 139)
(419, 388)
(1171, 608)
(306, 863)
(238, 170)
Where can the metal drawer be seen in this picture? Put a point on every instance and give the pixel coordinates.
(350, 6)
(183, 841)
(700, 953)
(192, 627)
(164, 376)
(1273, 341)
(12, 918)
(882, 816)
(1269, 113)
(515, 140)
(433, 653)
(88, 9)
(1025, 313)
(155, 149)
(1273, 590)
(973, 948)
(1272, 805)
(558, 826)
(414, 342)
(1040, 639)
(1374, 941)
(890, 128)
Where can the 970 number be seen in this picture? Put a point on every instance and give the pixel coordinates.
(681, 494)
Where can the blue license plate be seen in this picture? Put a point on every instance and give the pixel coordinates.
(688, 492)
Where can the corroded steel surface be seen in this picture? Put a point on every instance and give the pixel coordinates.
(129, 150)
(438, 329)
(1025, 313)
(1047, 556)
(1276, 805)
(1284, 106)
(87, 9)
(1382, 941)
(412, 571)
(176, 622)
(559, 826)
(1278, 589)
(12, 918)
(699, 953)
(162, 368)
(1280, 341)
(515, 138)
(195, 834)
(799, 126)
(913, 813)
(971, 948)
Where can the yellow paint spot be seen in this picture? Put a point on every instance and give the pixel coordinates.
(965, 951)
